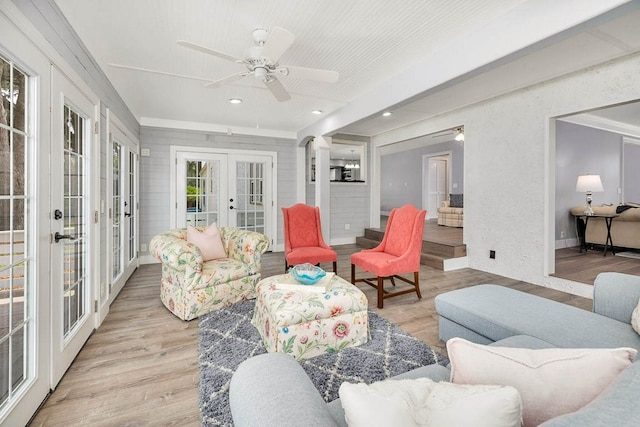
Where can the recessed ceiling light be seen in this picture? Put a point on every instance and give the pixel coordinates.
(235, 100)
(386, 114)
(317, 112)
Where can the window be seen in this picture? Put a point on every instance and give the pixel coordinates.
(347, 161)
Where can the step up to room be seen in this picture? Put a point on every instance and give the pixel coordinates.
(436, 254)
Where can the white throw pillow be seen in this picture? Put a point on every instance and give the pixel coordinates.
(422, 402)
(551, 382)
(209, 242)
(635, 318)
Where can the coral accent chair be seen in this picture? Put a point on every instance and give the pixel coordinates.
(398, 253)
(303, 240)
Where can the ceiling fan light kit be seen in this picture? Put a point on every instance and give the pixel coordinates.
(262, 62)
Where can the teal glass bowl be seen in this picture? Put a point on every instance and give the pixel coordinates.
(307, 274)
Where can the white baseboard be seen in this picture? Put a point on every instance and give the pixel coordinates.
(455, 263)
(567, 243)
(342, 241)
(147, 259)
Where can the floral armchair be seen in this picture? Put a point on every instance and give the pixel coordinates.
(191, 287)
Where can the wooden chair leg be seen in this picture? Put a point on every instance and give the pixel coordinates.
(286, 267)
(353, 274)
(380, 291)
(335, 266)
(416, 278)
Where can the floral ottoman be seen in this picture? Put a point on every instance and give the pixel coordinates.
(306, 321)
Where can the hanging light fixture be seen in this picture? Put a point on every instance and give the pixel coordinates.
(352, 163)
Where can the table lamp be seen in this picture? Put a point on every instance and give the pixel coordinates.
(589, 184)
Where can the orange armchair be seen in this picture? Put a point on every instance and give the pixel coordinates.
(398, 253)
(303, 240)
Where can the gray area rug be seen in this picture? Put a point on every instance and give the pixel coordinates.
(227, 337)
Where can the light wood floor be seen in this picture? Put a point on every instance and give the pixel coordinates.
(140, 367)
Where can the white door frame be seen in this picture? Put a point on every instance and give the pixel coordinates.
(175, 151)
(25, 400)
(432, 211)
(65, 349)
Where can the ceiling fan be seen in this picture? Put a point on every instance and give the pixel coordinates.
(261, 63)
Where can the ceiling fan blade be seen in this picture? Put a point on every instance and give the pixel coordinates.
(209, 51)
(278, 42)
(164, 73)
(309, 73)
(226, 80)
(277, 90)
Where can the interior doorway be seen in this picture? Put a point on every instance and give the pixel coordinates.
(435, 181)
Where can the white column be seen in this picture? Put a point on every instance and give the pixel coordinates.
(322, 146)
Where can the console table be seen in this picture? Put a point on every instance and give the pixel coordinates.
(582, 234)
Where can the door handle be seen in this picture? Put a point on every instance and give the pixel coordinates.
(127, 214)
(57, 237)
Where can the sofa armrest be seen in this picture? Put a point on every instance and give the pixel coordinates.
(445, 204)
(172, 249)
(615, 295)
(245, 246)
(272, 389)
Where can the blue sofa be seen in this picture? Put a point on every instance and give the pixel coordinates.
(273, 390)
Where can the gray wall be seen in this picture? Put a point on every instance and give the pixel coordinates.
(631, 172)
(155, 182)
(582, 150)
(401, 173)
(349, 202)
(45, 15)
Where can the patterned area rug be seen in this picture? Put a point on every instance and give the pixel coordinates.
(227, 337)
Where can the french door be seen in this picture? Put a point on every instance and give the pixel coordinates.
(233, 190)
(436, 184)
(24, 294)
(73, 232)
(123, 211)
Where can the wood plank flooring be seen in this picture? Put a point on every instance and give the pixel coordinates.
(584, 267)
(140, 367)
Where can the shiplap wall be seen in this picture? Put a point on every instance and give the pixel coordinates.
(155, 182)
(350, 203)
(47, 18)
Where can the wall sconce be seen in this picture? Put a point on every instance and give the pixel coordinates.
(589, 184)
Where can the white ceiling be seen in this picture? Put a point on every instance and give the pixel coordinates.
(368, 42)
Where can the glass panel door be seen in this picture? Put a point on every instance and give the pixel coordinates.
(123, 212)
(70, 223)
(201, 198)
(249, 202)
(116, 222)
(16, 285)
(233, 190)
(132, 208)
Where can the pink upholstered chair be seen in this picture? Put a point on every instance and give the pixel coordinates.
(303, 240)
(398, 253)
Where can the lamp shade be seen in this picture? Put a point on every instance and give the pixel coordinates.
(589, 183)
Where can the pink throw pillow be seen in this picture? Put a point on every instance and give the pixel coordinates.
(551, 381)
(209, 242)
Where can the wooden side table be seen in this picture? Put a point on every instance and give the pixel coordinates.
(582, 234)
